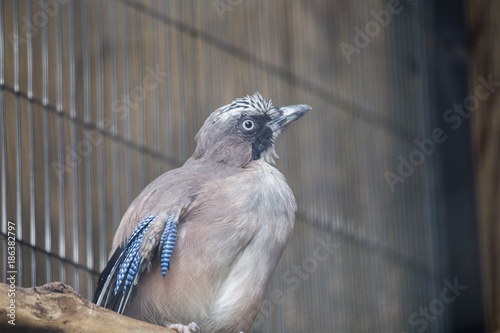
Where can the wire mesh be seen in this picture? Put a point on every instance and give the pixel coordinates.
(99, 98)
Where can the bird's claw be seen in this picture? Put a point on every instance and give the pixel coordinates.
(192, 327)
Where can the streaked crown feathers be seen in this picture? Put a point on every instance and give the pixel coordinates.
(250, 103)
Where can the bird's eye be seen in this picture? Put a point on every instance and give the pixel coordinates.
(248, 125)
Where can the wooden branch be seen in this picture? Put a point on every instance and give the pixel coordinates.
(56, 307)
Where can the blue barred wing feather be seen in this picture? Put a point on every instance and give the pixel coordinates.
(118, 280)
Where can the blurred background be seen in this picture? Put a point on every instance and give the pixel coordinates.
(395, 171)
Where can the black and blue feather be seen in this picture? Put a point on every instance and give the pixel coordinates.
(167, 243)
(118, 280)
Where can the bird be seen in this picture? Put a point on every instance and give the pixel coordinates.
(197, 247)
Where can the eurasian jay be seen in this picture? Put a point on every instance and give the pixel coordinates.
(200, 243)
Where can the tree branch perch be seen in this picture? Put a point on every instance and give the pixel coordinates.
(56, 307)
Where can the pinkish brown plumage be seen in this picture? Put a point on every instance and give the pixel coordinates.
(229, 213)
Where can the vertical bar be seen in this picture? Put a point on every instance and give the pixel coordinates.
(182, 83)
(74, 174)
(19, 202)
(114, 157)
(72, 77)
(46, 153)
(15, 45)
(29, 57)
(140, 118)
(88, 171)
(126, 89)
(3, 149)
(182, 98)
(3, 166)
(154, 114)
(2, 69)
(31, 145)
(60, 148)
(100, 163)
(45, 67)
(112, 48)
(168, 119)
(59, 85)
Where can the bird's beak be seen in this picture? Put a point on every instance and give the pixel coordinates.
(286, 115)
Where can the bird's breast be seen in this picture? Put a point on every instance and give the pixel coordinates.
(243, 203)
(229, 242)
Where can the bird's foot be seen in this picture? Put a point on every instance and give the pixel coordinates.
(193, 327)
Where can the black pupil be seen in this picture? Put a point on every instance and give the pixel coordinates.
(248, 124)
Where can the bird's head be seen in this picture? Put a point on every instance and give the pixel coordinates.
(244, 130)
